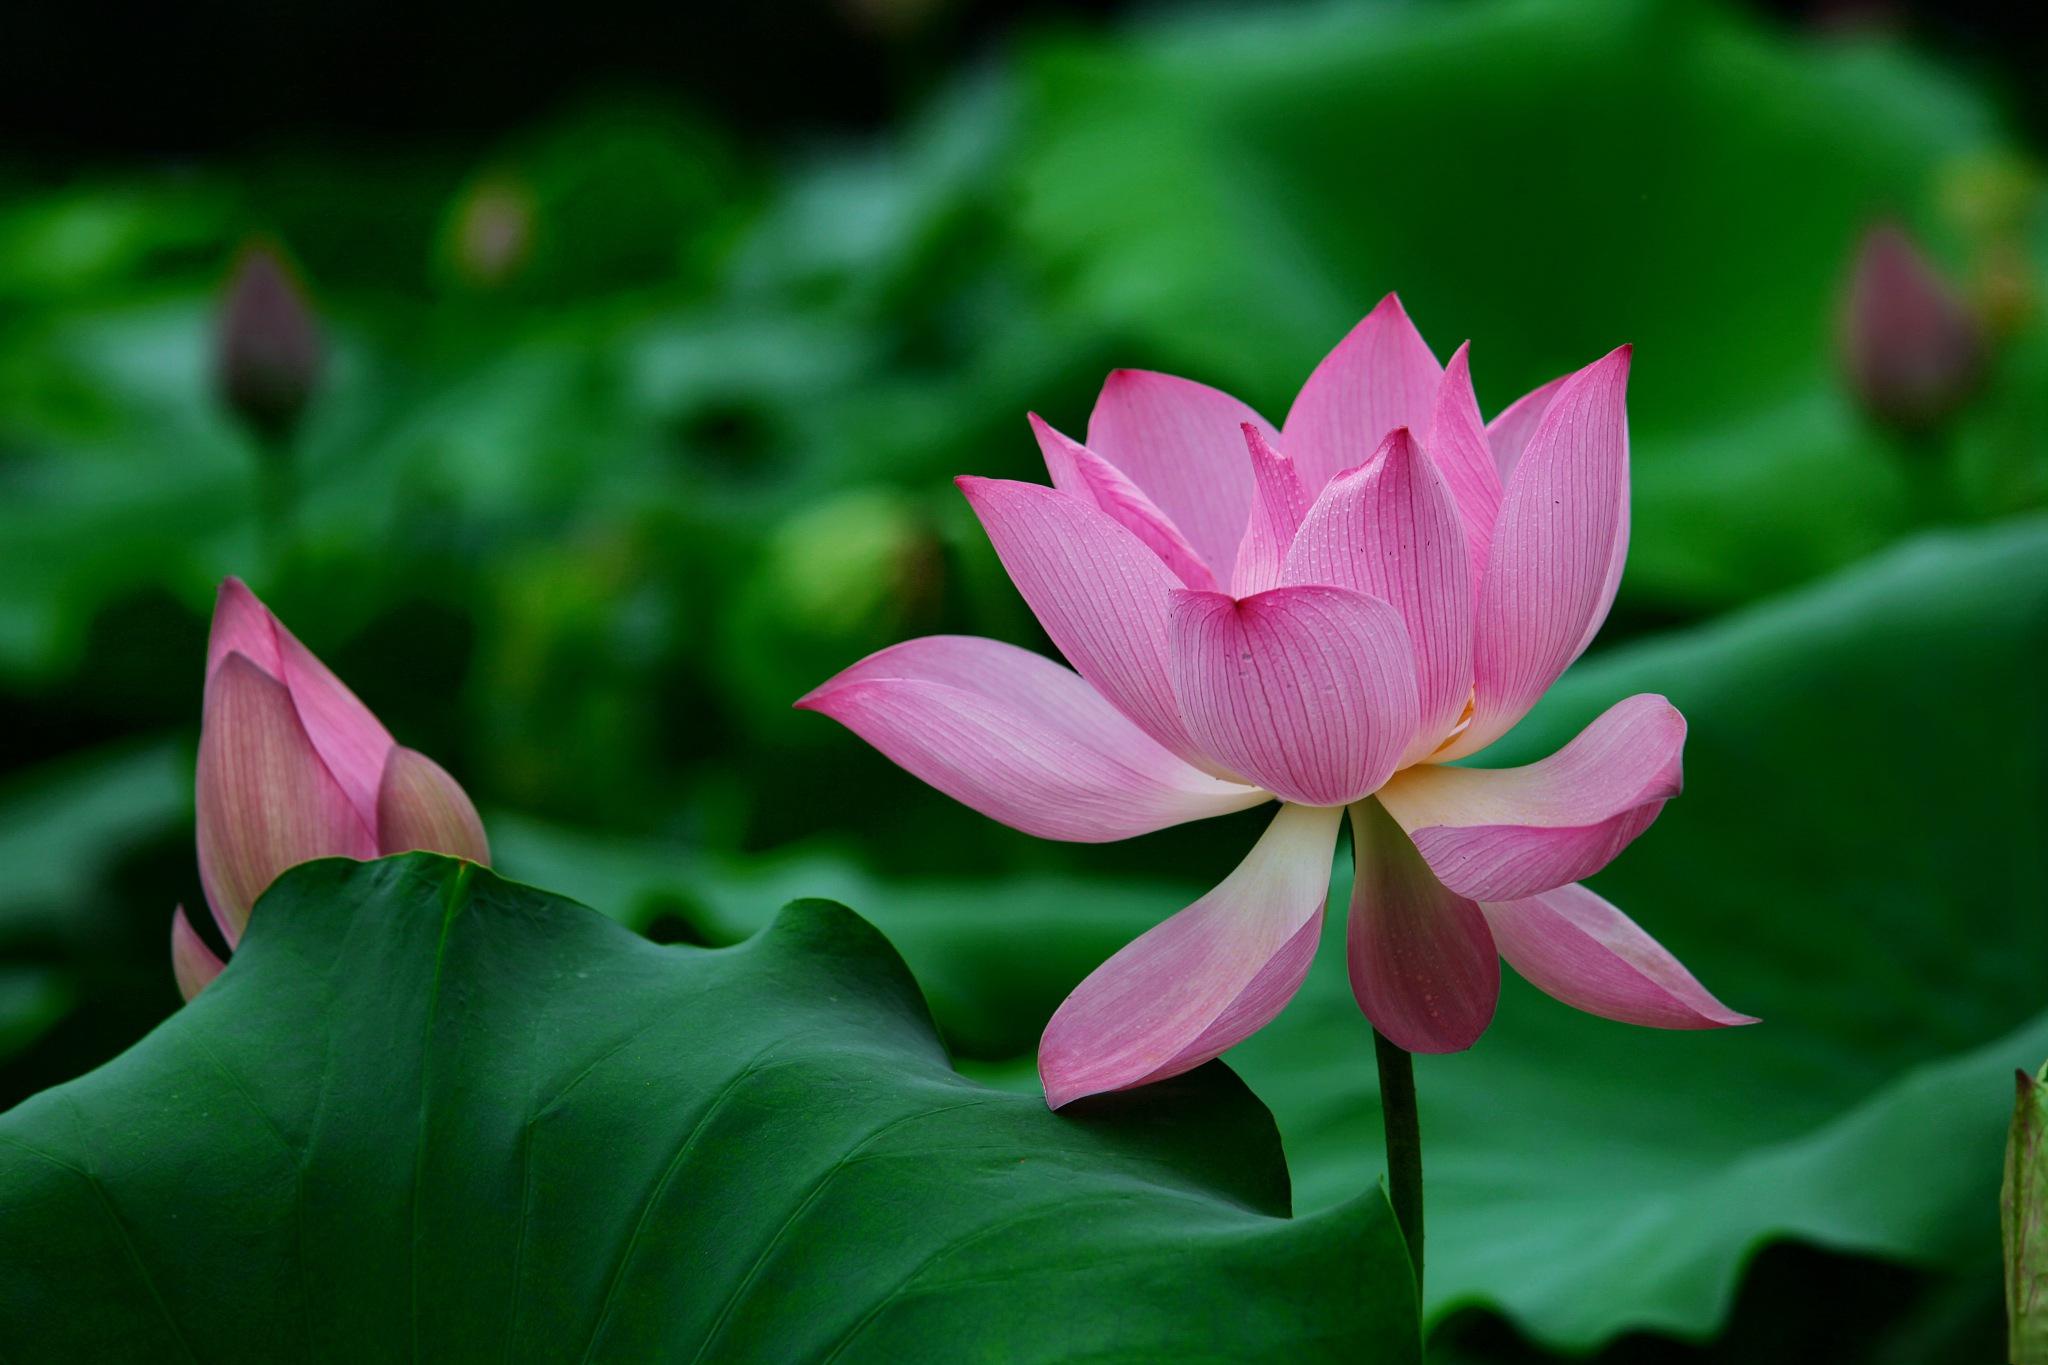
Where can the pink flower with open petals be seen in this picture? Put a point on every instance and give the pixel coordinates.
(1327, 614)
(292, 768)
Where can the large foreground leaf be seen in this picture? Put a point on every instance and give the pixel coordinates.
(430, 1114)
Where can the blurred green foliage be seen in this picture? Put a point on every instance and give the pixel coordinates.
(635, 430)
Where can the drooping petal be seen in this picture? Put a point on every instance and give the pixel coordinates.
(1389, 529)
(266, 801)
(1307, 691)
(1080, 472)
(192, 962)
(1279, 501)
(1205, 979)
(419, 806)
(1509, 432)
(1183, 443)
(349, 738)
(1500, 834)
(1020, 739)
(1379, 377)
(1100, 594)
(1551, 566)
(1575, 946)
(1457, 444)
(1423, 964)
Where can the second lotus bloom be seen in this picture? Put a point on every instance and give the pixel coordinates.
(1326, 614)
(292, 768)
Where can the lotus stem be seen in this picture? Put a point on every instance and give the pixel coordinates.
(1404, 1144)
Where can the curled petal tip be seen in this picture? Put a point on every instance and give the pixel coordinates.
(192, 962)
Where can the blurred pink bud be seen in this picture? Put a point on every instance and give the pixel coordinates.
(268, 353)
(292, 767)
(1913, 350)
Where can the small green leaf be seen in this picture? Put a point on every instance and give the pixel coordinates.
(427, 1113)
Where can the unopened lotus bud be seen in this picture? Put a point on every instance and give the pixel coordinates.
(292, 767)
(269, 354)
(1912, 349)
(491, 233)
(2023, 1216)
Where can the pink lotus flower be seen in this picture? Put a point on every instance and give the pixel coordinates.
(291, 768)
(1325, 614)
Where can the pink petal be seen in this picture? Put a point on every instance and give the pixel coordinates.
(265, 800)
(1379, 377)
(1183, 443)
(1500, 834)
(1019, 739)
(1389, 529)
(1279, 501)
(1079, 472)
(1205, 979)
(1099, 593)
(1423, 964)
(1551, 569)
(1307, 691)
(1573, 945)
(1508, 434)
(242, 625)
(192, 962)
(419, 806)
(1457, 443)
(351, 741)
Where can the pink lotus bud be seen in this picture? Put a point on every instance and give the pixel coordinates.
(292, 768)
(1912, 349)
(268, 352)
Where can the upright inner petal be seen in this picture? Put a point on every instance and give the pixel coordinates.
(1099, 593)
(1379, 377)
(1183, 444)
(1390, 529)
(1279, 501)
(1079, 472)
(1551, 568)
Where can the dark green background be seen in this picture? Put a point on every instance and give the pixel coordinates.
(584, 534)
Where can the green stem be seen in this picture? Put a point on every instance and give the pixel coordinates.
(277, 500)
(1404, 1144)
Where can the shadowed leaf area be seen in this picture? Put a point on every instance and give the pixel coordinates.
(430, 1114)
